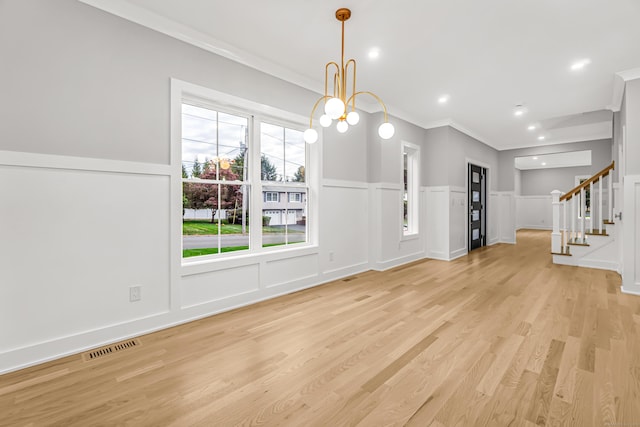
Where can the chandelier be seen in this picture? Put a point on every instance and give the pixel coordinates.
(337, 105)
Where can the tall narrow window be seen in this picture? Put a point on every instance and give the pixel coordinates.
(215, 185)
(410, 189)
(283, 165)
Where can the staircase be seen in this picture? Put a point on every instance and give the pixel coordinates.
(584, 233)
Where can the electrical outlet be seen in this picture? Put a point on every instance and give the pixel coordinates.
(331, 256)
(135, 293)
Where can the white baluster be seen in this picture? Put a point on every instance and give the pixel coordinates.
(610, 195)
(556, 237)
(600, 220)
(583, 209)
(591, 209)
(573, 217)
(564, 229)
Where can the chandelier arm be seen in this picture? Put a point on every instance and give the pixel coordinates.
(353, 88)
(326, 76)
(384, 107)
(314, 109)
(337, 84)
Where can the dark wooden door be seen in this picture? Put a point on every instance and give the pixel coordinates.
(477, 207)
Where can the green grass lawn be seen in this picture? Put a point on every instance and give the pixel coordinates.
(205, 227)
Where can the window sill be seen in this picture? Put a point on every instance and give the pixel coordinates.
(410, 236)
(207, 265)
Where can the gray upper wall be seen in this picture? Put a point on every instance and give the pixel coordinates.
(537, 182)
(385, 155)
(446, 154)
(78, 81)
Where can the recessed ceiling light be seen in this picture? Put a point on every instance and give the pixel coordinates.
(519, 110)
(443, 99)
(535, 158)
(374, 53)
(544, 164)
(579, 65)
(541, 137)
(531, 127)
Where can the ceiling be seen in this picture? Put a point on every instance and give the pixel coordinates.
(488, 56)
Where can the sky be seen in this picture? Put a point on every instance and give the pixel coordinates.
(207, 134)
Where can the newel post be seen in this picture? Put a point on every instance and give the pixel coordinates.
(556, 237)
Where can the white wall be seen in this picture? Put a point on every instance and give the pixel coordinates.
(534, 212)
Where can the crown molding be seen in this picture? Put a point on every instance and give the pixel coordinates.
(619, 81)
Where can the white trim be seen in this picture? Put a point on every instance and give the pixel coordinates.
(387, 186)
(413, 190)
(338, 183)
(630, 292)
(54, 161)
(487, 197)
(628, 75)
(208, 265)
(600, 265)
(618, 93)
(457, 253)
(396, 262)
(630, 233)
(455, 125)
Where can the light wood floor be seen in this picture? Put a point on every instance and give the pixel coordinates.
(499, 337)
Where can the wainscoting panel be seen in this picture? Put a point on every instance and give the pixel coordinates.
(73, 242)
(534, 212)
(631, 235)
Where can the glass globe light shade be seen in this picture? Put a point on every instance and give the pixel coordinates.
(334, 108)
(325, 121)
(353, 118)
(342, 126)
(310, 136)
(386, 130)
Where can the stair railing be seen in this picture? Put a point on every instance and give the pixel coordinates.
(577, 201)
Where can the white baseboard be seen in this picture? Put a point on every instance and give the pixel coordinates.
(395, 262)
(635, 291)
(457, 253)
(601, 265)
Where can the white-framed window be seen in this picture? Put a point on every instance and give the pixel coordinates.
(270, 196)
(232, 170)
(295, 197)
(410, 188)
